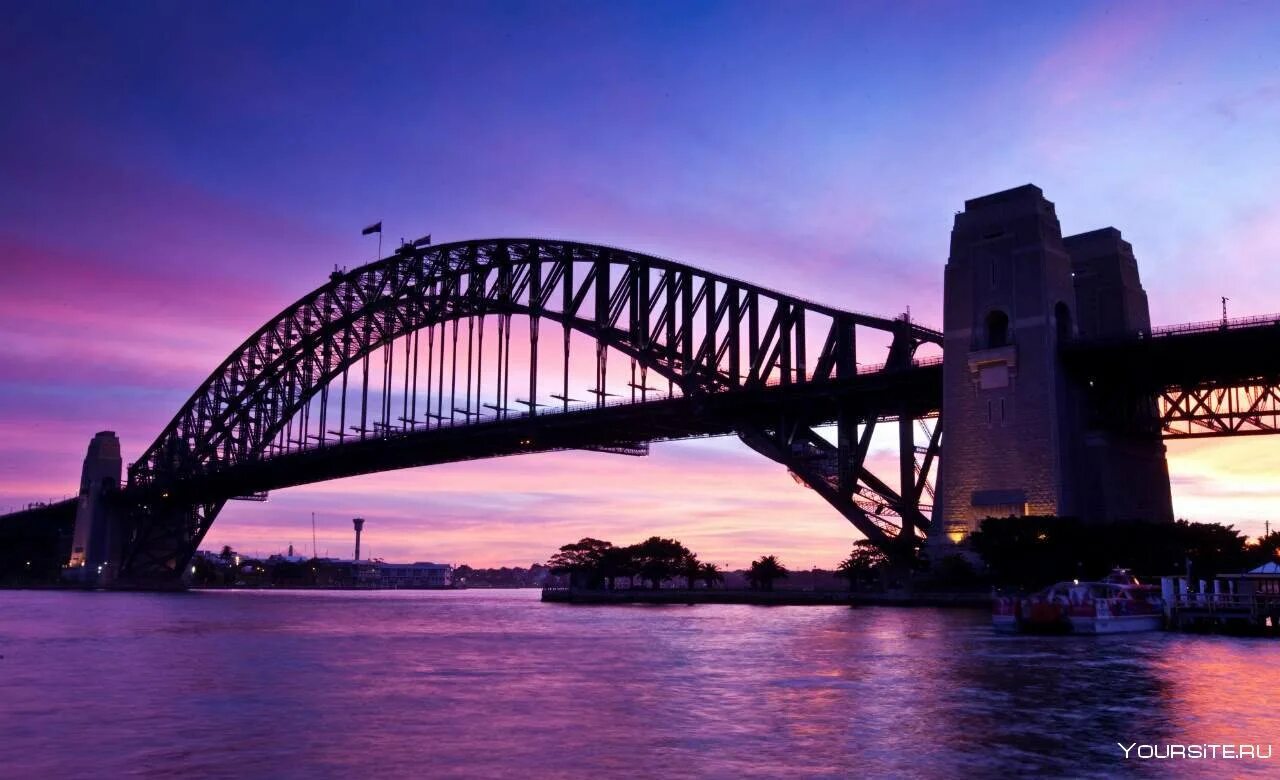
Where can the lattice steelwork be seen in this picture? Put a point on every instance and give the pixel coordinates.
(439, 338)
(1232, 410)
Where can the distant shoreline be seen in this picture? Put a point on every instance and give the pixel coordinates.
(353, 587)
(671, 596)
(76, 587)
(789, 598)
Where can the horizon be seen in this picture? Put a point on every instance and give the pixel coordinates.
(822, 154)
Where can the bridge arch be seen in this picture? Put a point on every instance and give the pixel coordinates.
(701, 332)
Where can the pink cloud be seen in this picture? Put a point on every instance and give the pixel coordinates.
(1228, 480)
(1097, 53)
(78, 317)
(1234, 257)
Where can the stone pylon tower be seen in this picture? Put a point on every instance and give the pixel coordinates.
(1016, 430)
(95, 543)
(1008, 301)
(1122, 474)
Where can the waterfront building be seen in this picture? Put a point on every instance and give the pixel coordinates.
(414, 575)
(346, 573)
(1264, 580)
(337, 572)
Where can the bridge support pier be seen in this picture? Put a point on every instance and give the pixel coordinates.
(97, 541)
(163, 534)
(1020, 438)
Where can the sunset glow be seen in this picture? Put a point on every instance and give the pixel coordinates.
(147, 229)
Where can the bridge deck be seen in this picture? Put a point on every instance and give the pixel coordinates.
(1183, 355)
(914, 391)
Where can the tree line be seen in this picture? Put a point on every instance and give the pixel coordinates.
(1037, 551)
(594, 563)
(1022, 552)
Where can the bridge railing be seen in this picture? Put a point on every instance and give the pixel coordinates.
(1209, 326)
(1180, 329)
(875, 368)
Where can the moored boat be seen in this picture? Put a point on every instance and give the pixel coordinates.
(1117, 604)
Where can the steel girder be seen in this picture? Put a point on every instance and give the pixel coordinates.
(1220, 410)
(1184, 381)
(700, 332)
(895, 519)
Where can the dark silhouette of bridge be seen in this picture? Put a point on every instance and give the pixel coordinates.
(490, 348)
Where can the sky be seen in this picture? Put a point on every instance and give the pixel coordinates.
(174, 174)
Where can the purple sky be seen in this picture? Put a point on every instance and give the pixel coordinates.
(172, 174)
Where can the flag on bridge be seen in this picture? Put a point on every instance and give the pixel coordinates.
(374, 228)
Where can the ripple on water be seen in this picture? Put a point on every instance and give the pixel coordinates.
(485, 683)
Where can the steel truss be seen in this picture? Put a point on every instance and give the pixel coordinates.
(895, 519)
(398, 347)
(1220, 410)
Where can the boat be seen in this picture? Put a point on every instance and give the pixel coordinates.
(1115, 605)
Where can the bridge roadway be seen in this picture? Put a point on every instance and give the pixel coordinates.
(1189, 355)
(1209, 379)
(1184, 358)
(915, 391)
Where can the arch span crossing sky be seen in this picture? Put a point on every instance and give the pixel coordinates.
(172, 175)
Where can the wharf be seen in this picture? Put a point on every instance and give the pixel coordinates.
(1224, 612)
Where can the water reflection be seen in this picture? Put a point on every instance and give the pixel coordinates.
(490, 683)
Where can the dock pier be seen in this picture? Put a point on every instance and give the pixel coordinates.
(1240, 604)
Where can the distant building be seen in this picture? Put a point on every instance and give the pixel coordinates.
(290, 570)
(290, 558)
(333, 572)
(414, 575)
(340, 573)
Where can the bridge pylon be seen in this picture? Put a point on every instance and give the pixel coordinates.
(1020, 439)
(98, 538)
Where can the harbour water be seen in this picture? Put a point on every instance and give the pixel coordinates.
(479, 683)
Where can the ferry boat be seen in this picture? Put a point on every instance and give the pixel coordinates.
(1117, 604)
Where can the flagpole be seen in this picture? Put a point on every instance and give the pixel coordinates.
(375, 228)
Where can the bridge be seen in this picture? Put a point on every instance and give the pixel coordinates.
(500, 347)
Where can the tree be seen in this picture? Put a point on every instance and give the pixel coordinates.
(710, 574)
(227, 555)
(616, 562)
(581, 561)
(955, 571)
(1266, 550)
(659, 559)
(1213, 549)
(691, 568)
(864, 561)
(764, 571)
(1033, 552)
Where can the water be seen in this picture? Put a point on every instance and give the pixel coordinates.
(494, 683)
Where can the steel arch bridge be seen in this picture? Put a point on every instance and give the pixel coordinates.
(388, 366)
